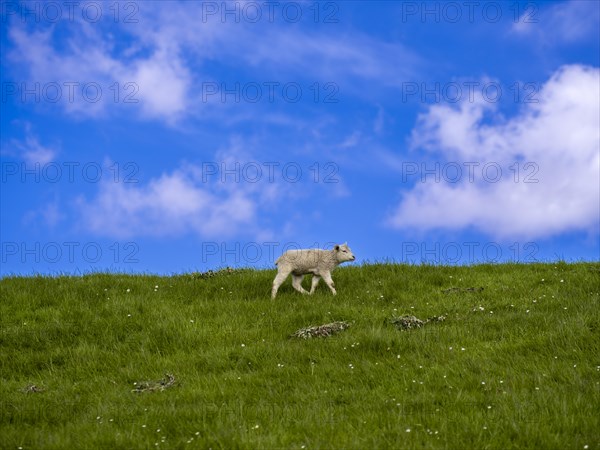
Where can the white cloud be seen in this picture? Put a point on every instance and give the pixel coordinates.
(169, 52)
(87, 78)
(50, 215)
(559, 135)
(328, 57)
(173, 204)
(220, 199)
(31, 150)
(351, 141)
(163, 84)
(568, 22)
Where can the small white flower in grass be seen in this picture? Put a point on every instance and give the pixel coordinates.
(408, 430)
(483, 382)
(128, 315)
(158, 430)
(143, 426)
(128, 290)
(450, 348)
(489, 406)
(191, 321)
(485, 428)
(585, 446)
(562, 281)
(243, 345)
(462, 348)
(527, 311)
(197, 433)
(501, 381)
(537, 388)
(574, 365)
(255, 427)
(98, 418)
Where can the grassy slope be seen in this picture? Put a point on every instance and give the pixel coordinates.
(522, 371)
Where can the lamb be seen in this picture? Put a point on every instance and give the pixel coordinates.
(317, 262)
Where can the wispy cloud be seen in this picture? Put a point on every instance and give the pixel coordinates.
(171, 51)
(172, 204)
(87, 80)
(191, 199)
(557, 193)
(566, 22)
(49, 215)
(30, 150)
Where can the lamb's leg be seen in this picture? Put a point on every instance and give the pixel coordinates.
(297, 283)
(329, 281)
(315, 281)
(279, 279)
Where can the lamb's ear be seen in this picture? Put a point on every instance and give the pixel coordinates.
(337, 248)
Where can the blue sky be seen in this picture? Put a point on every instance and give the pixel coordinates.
(167, 137)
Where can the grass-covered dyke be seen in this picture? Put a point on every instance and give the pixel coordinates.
(199, 361)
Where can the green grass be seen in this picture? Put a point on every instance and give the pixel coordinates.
(516, 365)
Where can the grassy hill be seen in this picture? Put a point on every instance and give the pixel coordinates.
(206, 360)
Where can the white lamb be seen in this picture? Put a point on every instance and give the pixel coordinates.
(318, 262)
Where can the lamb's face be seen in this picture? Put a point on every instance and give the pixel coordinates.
(344, 253)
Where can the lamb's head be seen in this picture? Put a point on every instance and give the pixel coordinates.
(343, 253)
